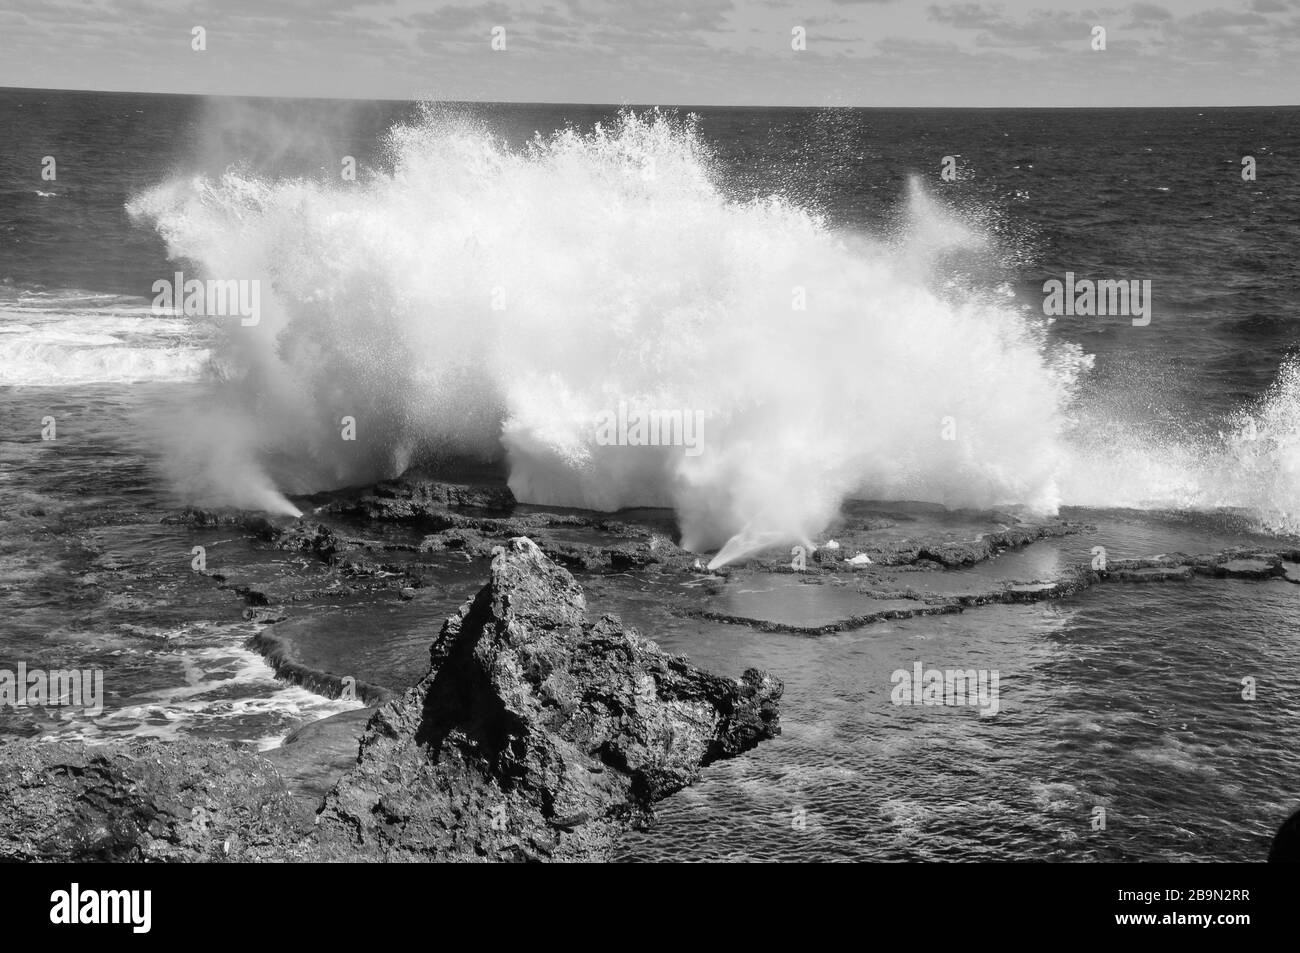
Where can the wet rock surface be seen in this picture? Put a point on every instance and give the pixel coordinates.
(1229, 564)
(145, 801)
(537, 733)
(415, 496)
(900, 560)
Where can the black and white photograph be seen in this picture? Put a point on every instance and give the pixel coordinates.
(650, 431)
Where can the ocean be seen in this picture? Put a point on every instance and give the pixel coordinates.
(854, 301)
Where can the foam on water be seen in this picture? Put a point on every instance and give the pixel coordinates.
(72, 339)
(485, 302)
(1250, 464)
(228, 691)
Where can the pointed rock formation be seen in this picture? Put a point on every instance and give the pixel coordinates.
(537, 734)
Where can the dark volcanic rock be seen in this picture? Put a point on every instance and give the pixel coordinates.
(1229, 564)
(415, 497)
(918, 537)
(265, 616)
(145, 801)
(279, 655)
(537, 734)
(470, 542)
(315, 538)
(220, 517)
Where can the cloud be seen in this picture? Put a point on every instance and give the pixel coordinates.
(966, 16)
(685, 51)
(1038, 30)
(457, 17)
(1149, 13)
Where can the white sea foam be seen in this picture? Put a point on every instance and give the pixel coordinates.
(71, 337)
(623, 271)
(1252, 465)
(617, 284)
(228, 688)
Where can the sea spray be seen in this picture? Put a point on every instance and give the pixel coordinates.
(481, 302)
(1117, 454)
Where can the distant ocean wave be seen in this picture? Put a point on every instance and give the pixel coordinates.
(62, 339)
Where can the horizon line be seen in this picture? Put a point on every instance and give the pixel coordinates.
(535, 102)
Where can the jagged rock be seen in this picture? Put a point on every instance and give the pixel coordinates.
(414, 497)
(953, 553)
(891, 612)
(1151, 574)
(658, 552)
(1251, 568)
(278, 653)
(828, 555)
(577, 557)
(315, 538)
(466, 541)
(1229, 564)
(265, 616)
(144, 801)
(536, 734)
(921, 538)
(221, 516)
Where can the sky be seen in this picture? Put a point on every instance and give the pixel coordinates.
(679, 52)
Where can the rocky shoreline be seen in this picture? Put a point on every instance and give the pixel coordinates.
(900, 560)
(535, 735)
